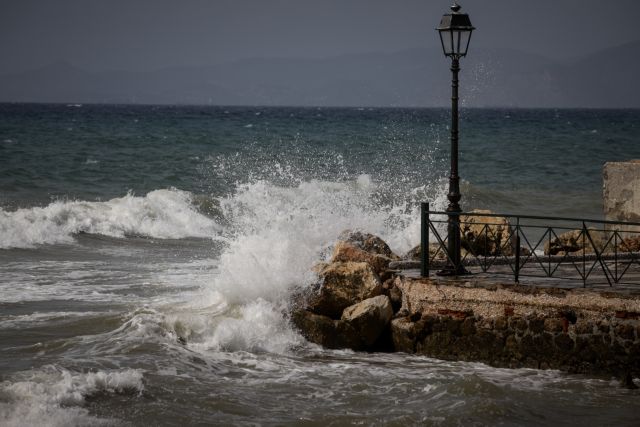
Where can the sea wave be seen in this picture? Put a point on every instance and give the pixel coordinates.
(274, 237)
(279, 232)
(53, 396)
(164, 214)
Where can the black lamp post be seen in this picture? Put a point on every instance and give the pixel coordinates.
(455, 33)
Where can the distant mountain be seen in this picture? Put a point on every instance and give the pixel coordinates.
(417, 77)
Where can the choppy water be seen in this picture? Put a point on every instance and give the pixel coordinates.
(147, 254)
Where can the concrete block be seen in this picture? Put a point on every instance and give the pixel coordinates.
(621, 191)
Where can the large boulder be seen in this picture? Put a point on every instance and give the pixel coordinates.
(482, 235)
(435, 252)
(367, 242)
(576, 242)
(343, 284)
(327, 332)
(404, 334)
(369, 318)
(349, 252)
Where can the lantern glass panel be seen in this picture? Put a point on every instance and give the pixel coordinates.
(463, 38)
(447, 39)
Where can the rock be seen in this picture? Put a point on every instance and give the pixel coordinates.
(349, 252)
(395, 295)
(324, 331)
(368, 243)
(630, 244)
(343, 284)
(403, 333)
(486, 235)
(369, 318)
(316, 328)
(627, 382)
(435, 252)
(576, 241)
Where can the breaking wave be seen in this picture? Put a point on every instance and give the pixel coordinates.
(53, 396)
(164, 214)
(275, 236)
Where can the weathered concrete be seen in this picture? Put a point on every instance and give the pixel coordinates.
(621, 191)
(516, 326)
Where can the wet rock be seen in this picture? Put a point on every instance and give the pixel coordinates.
(627, 382)
(327, 332)
(316, 328)
(360, 327)
(486, 235)
(625, 331)
(564, 342)
(369, 319)
(349, 252)
(343, 284)
(367, 242)
(403, 333)
(395, 295)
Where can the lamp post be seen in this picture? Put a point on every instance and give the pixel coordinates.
(455, 33)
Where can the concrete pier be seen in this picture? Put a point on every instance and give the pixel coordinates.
(506, 325)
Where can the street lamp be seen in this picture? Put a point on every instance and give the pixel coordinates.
(455, 33)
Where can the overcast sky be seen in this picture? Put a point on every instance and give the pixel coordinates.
(150, 34)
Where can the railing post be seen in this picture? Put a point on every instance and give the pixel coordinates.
(424, 239)
(584, 255)
(517, 269)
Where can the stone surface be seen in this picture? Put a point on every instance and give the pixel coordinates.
(435, 252)
(404, 333)
(369, 318)
(327, 332)
(349, 252)
(621, 191)
(316, 328)
(575, 241)
(549, 330)
(343, 284)
(486, 235)
(367, 242)
(630, 244)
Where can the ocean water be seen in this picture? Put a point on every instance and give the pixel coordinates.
(147, 256)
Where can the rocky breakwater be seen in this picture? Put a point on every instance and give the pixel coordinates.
(352, 305)
(360, 304)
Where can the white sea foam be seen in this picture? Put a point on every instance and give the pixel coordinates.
(276, 235)
(160, 214)
(53, 396)
(282, 231)
(258, 327)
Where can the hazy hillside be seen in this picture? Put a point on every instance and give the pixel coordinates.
(409, 78)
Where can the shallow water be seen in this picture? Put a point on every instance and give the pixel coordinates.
(147, 255)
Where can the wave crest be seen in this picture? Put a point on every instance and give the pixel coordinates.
(52, 396)
(163, 214)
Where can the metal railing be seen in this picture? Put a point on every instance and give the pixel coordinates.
(580, 250)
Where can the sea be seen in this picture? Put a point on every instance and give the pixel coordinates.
(148, 255)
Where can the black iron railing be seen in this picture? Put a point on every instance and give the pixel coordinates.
(586, 251)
